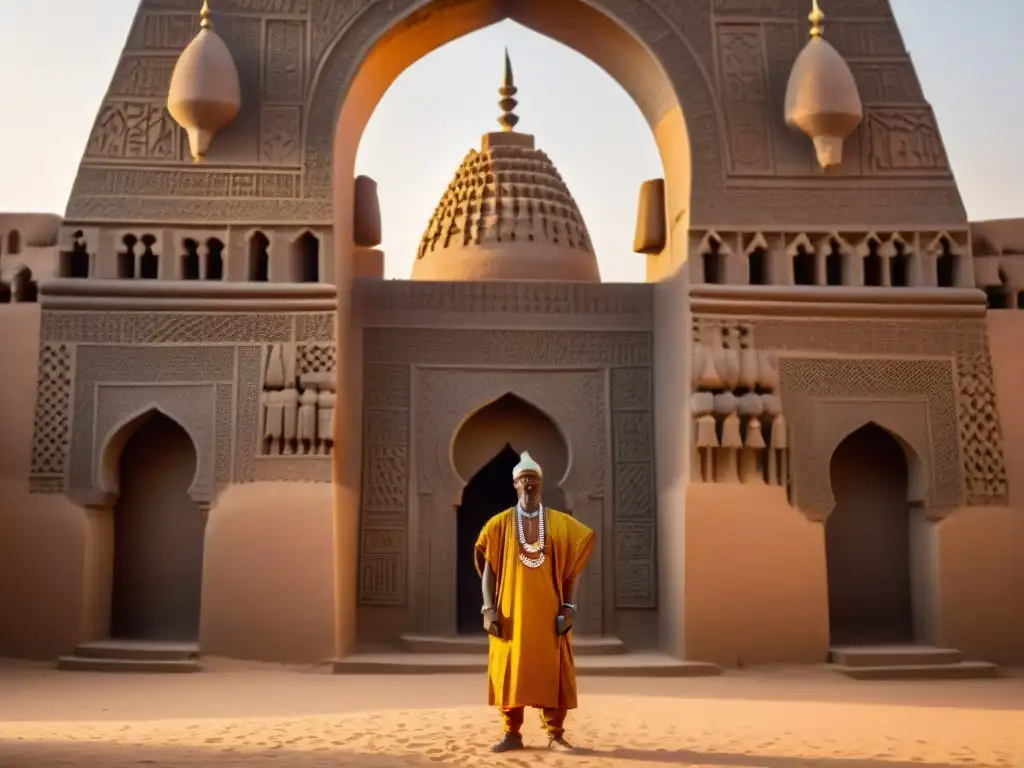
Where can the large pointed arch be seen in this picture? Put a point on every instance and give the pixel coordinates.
(637, 44)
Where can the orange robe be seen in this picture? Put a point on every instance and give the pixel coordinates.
(530, 665)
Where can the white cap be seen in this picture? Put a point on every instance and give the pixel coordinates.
(526, 465)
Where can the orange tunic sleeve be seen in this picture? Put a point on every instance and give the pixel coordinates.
(580, 548)
(490, 544)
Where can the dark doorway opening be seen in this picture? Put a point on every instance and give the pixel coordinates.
(867, 542)
(488, 493)
(158, 537)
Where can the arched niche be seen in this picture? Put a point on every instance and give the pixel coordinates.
(447, 399)
(915, 452)
(868, 540)
(111, 451)
(633, 42)
(158, 533)
(510, 420)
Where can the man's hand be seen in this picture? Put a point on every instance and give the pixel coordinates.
(491, 625)
(563, 622)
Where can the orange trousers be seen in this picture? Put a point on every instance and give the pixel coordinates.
(553, 720)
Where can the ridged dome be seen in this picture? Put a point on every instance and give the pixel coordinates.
(205, 93)
(506, 215)
(822, 99)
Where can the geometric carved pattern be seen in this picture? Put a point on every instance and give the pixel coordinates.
(633, 460)
(383, 550)
(193, 406)
(53, 393)
(444, 394)
(317, 358)
(722, 57)
(980, 431)
(827, 398)
(186, 327)
(978, 437)
(136, 369)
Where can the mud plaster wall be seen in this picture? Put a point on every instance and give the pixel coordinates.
(95, 373)
(41, 537)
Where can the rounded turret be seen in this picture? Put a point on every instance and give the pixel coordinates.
(205, 93)
(822, 99)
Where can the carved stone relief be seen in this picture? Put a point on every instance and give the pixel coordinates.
(291, 53)
(112, 345)
(915, 399)
(444, 397)
(611, 486)
(635, 571)
(739, 432)
(297, 406)
(971, 451)
(384, 553)
(141, 376)
(194, 406)
(52, 428)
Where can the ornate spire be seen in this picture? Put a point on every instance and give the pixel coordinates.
(205, 16)
(508, 118)
(817, 19)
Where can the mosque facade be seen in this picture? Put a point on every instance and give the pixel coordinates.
(227, 435)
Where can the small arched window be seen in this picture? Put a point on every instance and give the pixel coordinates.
(306, 259)
(259, 258)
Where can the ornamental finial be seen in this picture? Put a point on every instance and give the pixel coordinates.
(508, 118)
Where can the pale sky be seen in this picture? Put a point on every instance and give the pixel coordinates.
(58, 57)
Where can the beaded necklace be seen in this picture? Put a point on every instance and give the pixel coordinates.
(531, 555)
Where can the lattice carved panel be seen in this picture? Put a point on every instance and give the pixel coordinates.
(52, 434)
(827, 398)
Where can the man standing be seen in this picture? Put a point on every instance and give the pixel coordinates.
(530, 559)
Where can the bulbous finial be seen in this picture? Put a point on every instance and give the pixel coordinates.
(817, 19)
(508, 119)
(205, 92)
(822, 99)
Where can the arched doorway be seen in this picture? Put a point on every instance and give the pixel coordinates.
(485, 452)
(488, 493)
(867, 541)
(158, 536)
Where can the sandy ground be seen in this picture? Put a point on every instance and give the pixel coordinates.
(246, 716)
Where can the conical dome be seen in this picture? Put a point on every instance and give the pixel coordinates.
(205, 93)
(822, 99)
(507, 215)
